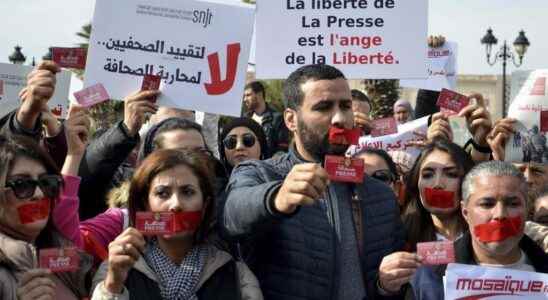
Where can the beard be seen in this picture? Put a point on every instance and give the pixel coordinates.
(317, 143)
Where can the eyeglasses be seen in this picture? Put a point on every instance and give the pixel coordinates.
(24, 188)
(384, 176)
(231, 141)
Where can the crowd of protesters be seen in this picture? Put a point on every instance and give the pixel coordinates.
(264, 219)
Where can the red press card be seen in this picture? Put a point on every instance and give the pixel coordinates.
(384, 127)
(59, 259)
(151, 83)
(452, 100)
(69, 57)
(436, 253)
(344, 169)
(92, 95)
(155, 223)
(544, 121)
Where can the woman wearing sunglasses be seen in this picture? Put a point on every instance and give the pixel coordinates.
(30, 187)
(180, 264)
(379, 165)
(433, 194)
(241, 139)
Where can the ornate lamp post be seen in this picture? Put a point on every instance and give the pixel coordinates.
(17, 57)
(505, 53)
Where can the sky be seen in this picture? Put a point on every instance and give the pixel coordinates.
(38, 24)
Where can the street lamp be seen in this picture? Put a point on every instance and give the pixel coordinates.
(17, 57)
(505, 53)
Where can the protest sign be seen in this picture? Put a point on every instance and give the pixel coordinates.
(518, 79)
(461, 134)
(362, 38)
(14, 78)
(529, 143)
(463, 281)
(398, 143)
(442, 70)
(200, 49)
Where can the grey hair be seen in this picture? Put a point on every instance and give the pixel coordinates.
(491, 168)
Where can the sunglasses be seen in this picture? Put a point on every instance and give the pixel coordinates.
(384, 176)
(231, 141)
(24, 188)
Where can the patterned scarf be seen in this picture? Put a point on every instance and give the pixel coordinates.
(177, 282)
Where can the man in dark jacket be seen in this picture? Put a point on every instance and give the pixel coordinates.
(306, 237)
(495, 207)
(277, 136)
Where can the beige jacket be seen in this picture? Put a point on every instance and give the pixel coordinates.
(18, 257)
(538, 233)
(215, 259)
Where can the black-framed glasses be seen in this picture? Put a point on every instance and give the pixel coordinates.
(384, 176)
(231, 141)
(24, 188)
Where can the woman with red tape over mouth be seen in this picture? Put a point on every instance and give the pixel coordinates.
(432, 211)
(30, 187)
(494, 205)
(181, 264)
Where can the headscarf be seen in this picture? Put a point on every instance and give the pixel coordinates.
(405, 104)
(241, 122)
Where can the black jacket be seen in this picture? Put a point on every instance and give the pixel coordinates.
(277, 135)
(428, 281)
(294, 256)
(104, 155)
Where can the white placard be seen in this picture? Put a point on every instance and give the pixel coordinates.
(398, 145)
(442, 70)
(15, 79)
(381, 39)
(463, 281)
(199, 48)
(529, 144)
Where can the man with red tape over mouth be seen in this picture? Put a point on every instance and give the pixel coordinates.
(494, 204)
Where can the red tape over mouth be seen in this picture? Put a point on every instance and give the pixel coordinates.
(186, 220)
(34, 211)
(498, 230)
(342, 136)
(439, 198)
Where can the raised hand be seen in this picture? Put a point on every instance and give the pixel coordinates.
(499, 135)
(136, 107)
(304, 185)
(478, 120)
(439, 128)
(77, 130)
(397, 269)
(123, 253)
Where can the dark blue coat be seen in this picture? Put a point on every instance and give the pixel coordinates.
(294, 256)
